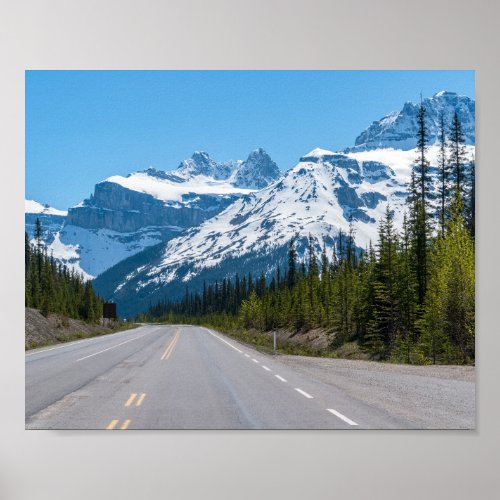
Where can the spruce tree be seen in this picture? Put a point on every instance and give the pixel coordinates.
(419, 216)
(385, 281)
(470, 209)
(443, 174)
(457, 154)
(291, 275)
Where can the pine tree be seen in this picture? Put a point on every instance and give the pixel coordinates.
(292, 264)
(457, 155)
(51, 288)
(419, 216)
(470, 209)
(406, 292)
(421, 167)
(443, 174)
(385, 281)
(38, 234)
(27, 252)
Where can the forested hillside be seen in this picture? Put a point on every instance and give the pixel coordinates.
(52, 288)
(409, 297)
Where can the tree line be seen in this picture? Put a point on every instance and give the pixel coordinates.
(52, 288)
(410, 298)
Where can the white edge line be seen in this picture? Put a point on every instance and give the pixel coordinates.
(279, 377)
(342, 417)
(69, 344)
(254, 360)
(109, 348)
(266, 368)
(304, 393)
(222, 340)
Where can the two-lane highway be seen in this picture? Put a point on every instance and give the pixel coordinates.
(182, 377)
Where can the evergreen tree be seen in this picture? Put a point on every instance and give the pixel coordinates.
(419, 217)
(457, 154)
(443, 174)
(450, 305)
(51, 288)
(470, 209)
(385, 282)
(292, 264)
(421, 167)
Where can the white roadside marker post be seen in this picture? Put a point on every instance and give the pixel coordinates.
(274, 342)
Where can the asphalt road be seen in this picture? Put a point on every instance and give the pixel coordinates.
(184, 377)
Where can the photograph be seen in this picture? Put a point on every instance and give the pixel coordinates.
(250, 249)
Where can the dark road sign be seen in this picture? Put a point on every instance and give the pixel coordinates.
(109, 310)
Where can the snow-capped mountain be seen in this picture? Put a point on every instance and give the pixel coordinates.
(257, 171)
(51, 219)
(398, 130)
(318, 196)
(127, 214)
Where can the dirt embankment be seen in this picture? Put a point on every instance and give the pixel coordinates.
(41, 330)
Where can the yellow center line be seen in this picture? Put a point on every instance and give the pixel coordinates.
(130, 399)
(111, 425)
(171, 345)
(141, 399)
(125, 425)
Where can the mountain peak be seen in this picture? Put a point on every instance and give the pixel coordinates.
(200, 163)
(398, 130)
(201, 156)
(257, 171)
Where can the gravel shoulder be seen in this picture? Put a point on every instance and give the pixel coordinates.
(53, 329)
(433, 397)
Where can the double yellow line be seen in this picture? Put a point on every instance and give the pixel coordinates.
(133, 400)
(113, 424)
(170, 347)
(139, 401)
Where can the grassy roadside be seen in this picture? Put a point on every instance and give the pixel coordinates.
(263, 341)
(56, 329)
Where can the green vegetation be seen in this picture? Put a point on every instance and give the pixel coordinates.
(52, 288)
(410, 299)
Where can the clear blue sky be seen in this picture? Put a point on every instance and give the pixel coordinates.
(83, 126)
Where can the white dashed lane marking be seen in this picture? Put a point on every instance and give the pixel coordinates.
(279, 377)
(342, 417)
(304, 393)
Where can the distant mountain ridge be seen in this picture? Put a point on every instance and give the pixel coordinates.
(154, 232)
(319, 196)
(127, 214)
(398, 130)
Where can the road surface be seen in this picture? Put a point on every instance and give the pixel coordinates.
(184, 377)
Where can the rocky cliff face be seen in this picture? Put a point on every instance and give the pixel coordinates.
(125, 215)
(117, 208)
